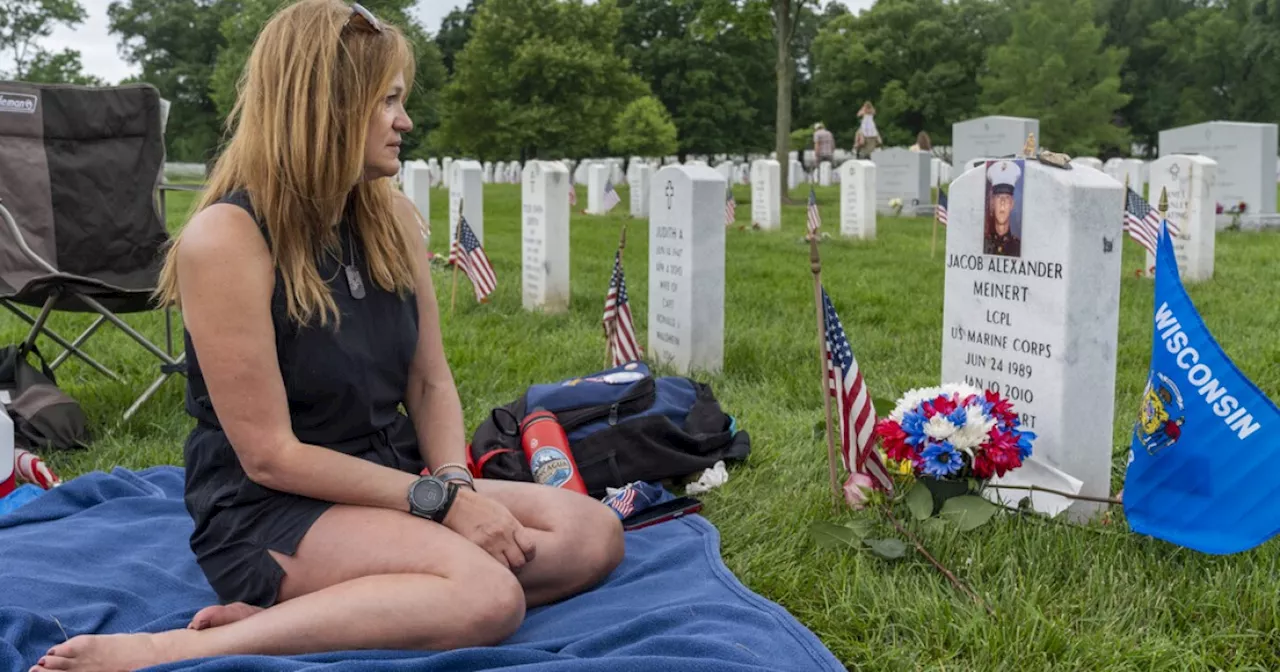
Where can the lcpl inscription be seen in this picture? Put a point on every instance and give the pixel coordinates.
(1002, 352)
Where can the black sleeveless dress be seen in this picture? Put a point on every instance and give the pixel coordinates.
(344, 387)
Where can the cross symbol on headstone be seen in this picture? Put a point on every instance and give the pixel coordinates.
(1174, 169)
(670, 191)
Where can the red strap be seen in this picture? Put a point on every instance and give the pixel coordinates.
(484, 459)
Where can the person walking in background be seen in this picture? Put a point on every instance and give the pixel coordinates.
(923, 143)
(868, 139)
(824, 145)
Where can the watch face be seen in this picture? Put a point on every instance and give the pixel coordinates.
(428, 494)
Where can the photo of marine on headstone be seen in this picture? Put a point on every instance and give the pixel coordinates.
(1002, 233)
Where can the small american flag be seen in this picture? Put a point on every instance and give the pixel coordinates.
(730, 207)
(573, 193)
(617, 312)
(625, 504)
(611, 197)
(815, 218)
(468, 253)
(1142, 221)
(853, 402)
(942, 207)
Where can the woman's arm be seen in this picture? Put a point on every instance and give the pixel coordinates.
(431, 398)
(226, 278)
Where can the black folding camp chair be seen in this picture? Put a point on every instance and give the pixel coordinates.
(82, 203)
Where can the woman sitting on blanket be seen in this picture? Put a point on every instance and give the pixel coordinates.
(311, 318)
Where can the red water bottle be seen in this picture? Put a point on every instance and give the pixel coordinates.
(546, 447)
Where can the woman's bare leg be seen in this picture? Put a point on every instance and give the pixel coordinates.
(367, 578)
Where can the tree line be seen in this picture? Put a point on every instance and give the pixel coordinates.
(520, 79)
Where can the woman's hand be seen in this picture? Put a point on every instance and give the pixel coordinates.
(489, 525)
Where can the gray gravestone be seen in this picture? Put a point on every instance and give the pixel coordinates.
(990, 138)
(902, 173)
(1245, 154)
(468, 188)
(545, 258)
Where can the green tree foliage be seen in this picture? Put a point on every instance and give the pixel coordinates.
(454, 32)
(644, 129)
(63, 67)
(917, 61)
(176, 43)
(241, 29)
(1055, 68)
(539, 78)
(1224, 59)
(23, 24)
(715, 79)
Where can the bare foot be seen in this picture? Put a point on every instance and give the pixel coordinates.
(221, 614)
(118, 653)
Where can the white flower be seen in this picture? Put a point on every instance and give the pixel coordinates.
(939, 427)
(913, 398)
(974, 432)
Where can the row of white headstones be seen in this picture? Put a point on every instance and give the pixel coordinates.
(1040, 329)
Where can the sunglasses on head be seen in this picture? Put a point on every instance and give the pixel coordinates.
(363, 17)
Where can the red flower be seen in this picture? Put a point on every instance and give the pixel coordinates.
(982, 466)
(943, 405)
(1242, 207)
(894, 439)
(1001, 408)
(1219, 209)
(1002, 451)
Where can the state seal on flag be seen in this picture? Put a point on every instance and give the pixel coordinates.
(1160, 422)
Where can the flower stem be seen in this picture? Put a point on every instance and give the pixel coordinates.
(1036, 488)
(945, 572)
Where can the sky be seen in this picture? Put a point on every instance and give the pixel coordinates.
(100, 56)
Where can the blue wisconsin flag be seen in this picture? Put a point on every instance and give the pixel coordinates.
(1203, 471)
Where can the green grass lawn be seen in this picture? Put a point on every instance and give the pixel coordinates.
(1065, 598)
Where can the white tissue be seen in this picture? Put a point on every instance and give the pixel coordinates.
(711, 478)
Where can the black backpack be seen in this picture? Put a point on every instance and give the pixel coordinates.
(44, 417)
(623, 425)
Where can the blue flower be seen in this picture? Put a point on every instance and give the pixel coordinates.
(942, 459)
(959, 416)
(1024, 443)
(913, 425)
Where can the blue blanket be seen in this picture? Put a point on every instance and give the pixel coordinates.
(108, 553)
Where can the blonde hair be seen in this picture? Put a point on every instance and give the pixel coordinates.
(305, 99)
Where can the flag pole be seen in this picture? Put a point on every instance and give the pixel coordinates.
(815, 264)
(457, 231)
(613, 324)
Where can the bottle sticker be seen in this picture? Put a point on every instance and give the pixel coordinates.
(551, 467)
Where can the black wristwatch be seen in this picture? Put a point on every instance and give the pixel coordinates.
(431, 498)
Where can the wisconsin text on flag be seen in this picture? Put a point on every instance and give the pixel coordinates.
(853, 402)
(468, 253)
(617, 312)
(1201, 376)
(815, 218)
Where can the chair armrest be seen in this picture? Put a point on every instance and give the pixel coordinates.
(22, 242)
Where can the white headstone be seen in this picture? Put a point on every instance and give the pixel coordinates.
(446, 174)
(500, 171)
(990, 138)
(1190, 184)
(824, 174)
(467, 188)
(902, 173)
(580, 173)
(597, 176)
(727, 170)
(795, 175)
(1090, 161)
(1039, 322)
(417, 187)
(640, 190)
(1245, 154)
(545, 265)
(1134, 171)
(686, 268)
(766, 194)
(488, 172)
(858, 199)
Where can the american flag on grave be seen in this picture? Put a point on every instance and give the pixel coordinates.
(468, 253)
(941, 211)
(573, 192)
(815, 218)
(852, 402)
(611, 197)
(617, 314)
(730, 207)
(1142, 222)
